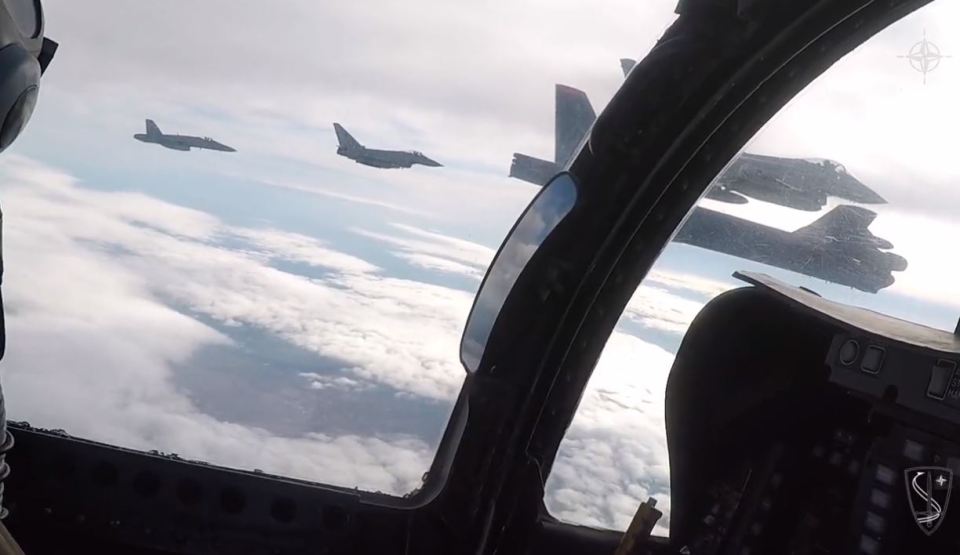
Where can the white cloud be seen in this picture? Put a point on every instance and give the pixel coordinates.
(343, 383)
(320, 191)
(668, 301)
(699, 285)
(658, 308)
(440, 264)
(435, 251)
(93, 341)
(91, 277)
(453, 248)
(282, 245)
(353, 315)
(614, 455)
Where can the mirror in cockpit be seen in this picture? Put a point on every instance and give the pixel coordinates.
(540, 218)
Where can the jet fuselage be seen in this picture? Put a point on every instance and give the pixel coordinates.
(386, 158)
(793, 182)
(376, 158)
(183, 142)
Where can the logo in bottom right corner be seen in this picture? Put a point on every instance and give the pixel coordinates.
(928, 491)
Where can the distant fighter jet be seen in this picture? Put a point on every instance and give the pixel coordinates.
(179, 142)
(360, 154)
(838, 247)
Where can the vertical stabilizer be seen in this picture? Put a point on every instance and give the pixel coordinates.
(152, 129)
(345, 139)
(574, 117)
(841, 223)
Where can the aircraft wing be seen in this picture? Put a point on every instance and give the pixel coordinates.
(846, 224)
(837, 248)
(532, 170)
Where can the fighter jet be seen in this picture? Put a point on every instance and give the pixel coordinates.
(179, 142)
(352, 149)
(797, 183)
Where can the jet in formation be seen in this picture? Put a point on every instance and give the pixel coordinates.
(855, 257)
(796, 183)
(352, 149)
(179, 142)
(800, 184)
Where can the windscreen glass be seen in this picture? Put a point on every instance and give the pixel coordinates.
(26, 15)
(199, 261)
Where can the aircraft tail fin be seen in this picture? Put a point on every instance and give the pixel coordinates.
(345, 139)
(848, 224)
(152, 129)
(626, 64)
(574, 117)
(843, 222)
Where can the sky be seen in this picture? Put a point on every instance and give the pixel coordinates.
(282, 308)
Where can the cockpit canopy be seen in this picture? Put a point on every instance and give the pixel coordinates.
(837, 167)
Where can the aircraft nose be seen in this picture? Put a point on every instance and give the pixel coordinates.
(895, 262)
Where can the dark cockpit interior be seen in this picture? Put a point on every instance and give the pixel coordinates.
(832, 412)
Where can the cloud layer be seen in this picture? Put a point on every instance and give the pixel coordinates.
(91, 281)
(109, 293)
(614, 455)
